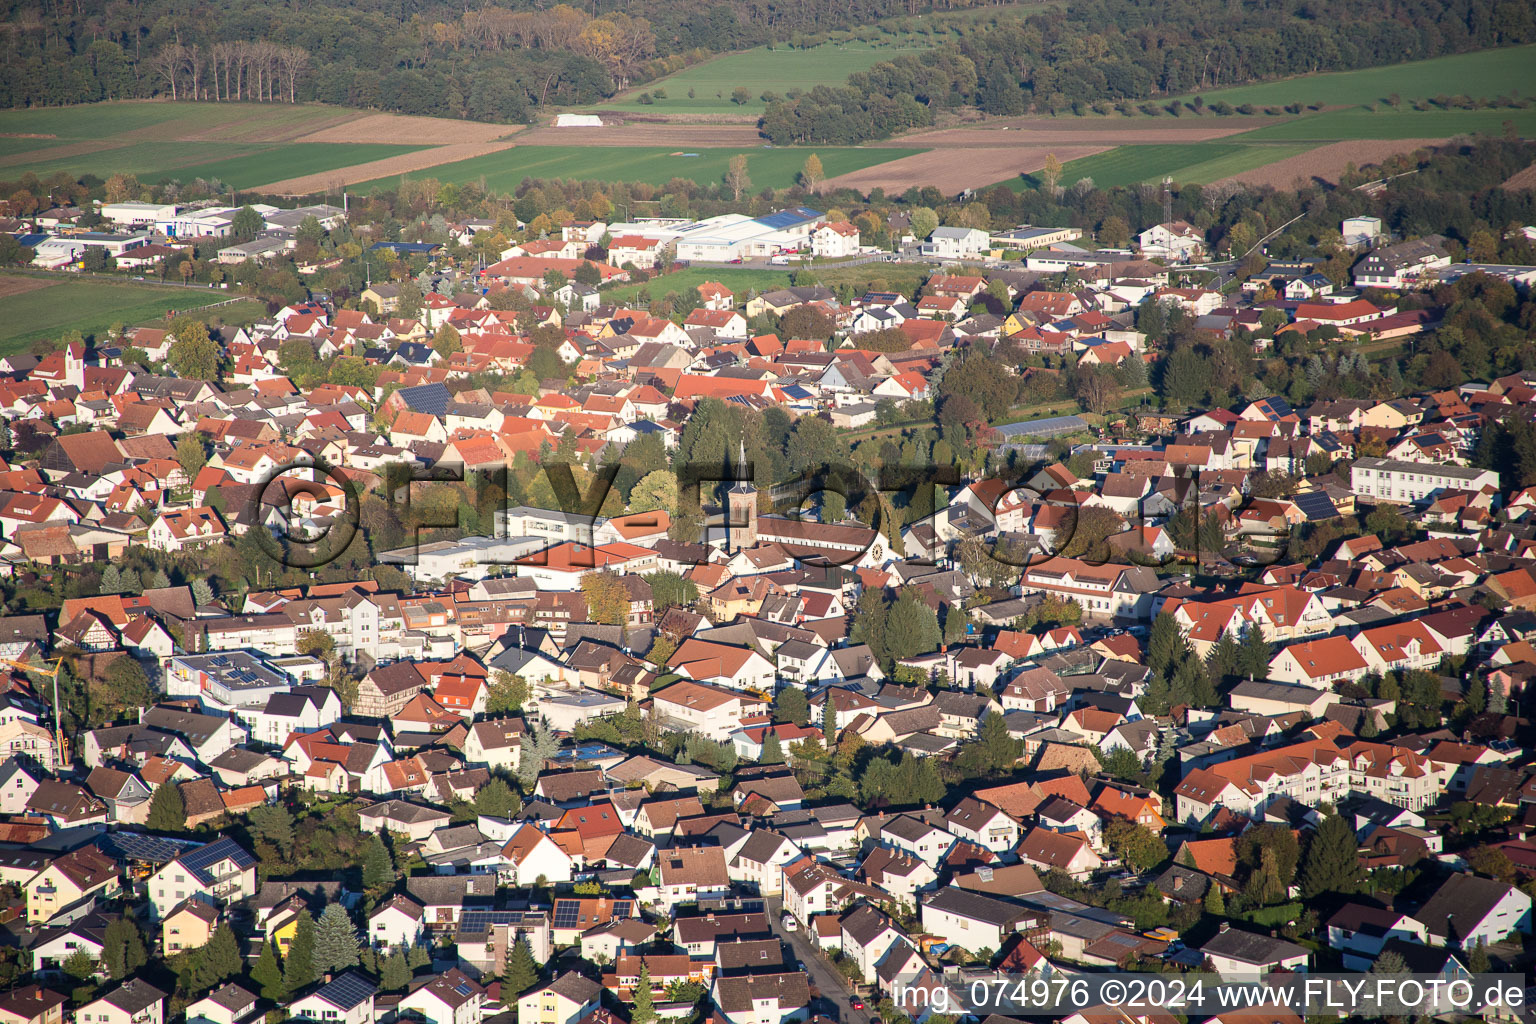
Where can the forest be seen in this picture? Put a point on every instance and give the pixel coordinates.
(499, 64)
(1105, 54)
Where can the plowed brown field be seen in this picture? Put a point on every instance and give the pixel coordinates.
(1326, 163)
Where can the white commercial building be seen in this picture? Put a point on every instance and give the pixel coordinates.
(1406, 482)
(735, 236)
(956, 243)
(136, 215)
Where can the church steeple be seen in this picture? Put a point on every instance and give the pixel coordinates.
(741, 507)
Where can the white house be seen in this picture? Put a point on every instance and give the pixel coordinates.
(345, 999)
(956, 243)
(449, 998)
(1469, 909)
(396, 923)
(834, 241)
(970, 920)
(1176, 240)
(135, 1001)
(565, 1000)
(221, 871)
(1239, 955)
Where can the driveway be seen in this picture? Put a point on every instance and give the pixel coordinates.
(834, 1002)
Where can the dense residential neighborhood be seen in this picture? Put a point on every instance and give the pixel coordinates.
(504, 642)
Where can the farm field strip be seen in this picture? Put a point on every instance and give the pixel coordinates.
(1342, 125)
(758, 70)
(241, 166)
(777, 167)
(30, 311)
(1481, 73)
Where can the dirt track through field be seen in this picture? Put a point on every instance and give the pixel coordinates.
(689, 136)
(954, 170)
(1102, 132)
(405, 163)
(1326, 163)
(65, 151)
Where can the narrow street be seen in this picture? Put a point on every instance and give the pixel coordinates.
(833, 987)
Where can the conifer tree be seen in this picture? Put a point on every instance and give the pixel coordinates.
(1332, 863)
(644, 1011)
(522, 971)
(417, 957)
(378, 866)
(268, 974)
(395, 974)
(167, 810)
(221, 957)
(335, 941)
(773, 750)
(299, 967)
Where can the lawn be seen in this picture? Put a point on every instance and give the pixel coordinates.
(762, 69)
(887, 276)
(656, 165)
(91, 305)
(1487, 73)
(1337, 125)
(242, 165)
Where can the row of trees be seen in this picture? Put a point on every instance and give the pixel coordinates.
(237, 70)
(1102, 53)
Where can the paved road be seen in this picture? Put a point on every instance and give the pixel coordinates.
(834, 989)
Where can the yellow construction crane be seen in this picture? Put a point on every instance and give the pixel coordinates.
(58, 664)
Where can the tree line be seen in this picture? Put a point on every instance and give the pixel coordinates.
(1101, 53)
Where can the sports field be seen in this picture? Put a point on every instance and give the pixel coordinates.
(887, 276)
(1485, 73)
(656, 165)
(36, 307)
(762, 69)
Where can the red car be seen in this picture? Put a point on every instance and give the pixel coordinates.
(857, 1004)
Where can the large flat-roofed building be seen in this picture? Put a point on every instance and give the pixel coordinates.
(734, 236)
(1407, 482)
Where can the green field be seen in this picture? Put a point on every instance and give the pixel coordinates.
(241, 166)
(91, 305)
(889, 276)
(656, 165)
(762, 69)
(1339, 125)
(1487, 73)
(1198, 162)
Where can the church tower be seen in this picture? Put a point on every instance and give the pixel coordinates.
(741, 508)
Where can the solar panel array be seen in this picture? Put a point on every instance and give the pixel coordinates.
(349, 990)
(202, 859)
(138, 846)
(568, 912)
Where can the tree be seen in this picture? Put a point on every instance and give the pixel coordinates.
(446, 341)
(417, 957)
(274, 823)
(993, 751)
(791, 706)
(202, 592)
(268, 974)
(125, 685)
(643, 1010)
(299, 967)
(194, 354)
(1215, 900)
(159, 581)
(191, 454)
(507, 693)
(773, 750)
(378, 865)
(538, 746)
(828, 720)
(335, 941)
(1114, 232)
(1051, 173)
(497, 800)
(1332, 860)
(811, 173)
(245, 225)
(395, 975)
(167, 810)
(923, 222)
(122, 948)
(607, 600)
(221, 958)
(736, 177)
(1136, 844)
(656, 490)
(111, 579)
(741, 94)
(521, 972)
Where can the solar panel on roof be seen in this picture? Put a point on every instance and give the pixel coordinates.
(1316, 505)
(348, 991)
(566, 912)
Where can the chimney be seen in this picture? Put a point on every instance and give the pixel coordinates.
(1224, 927)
